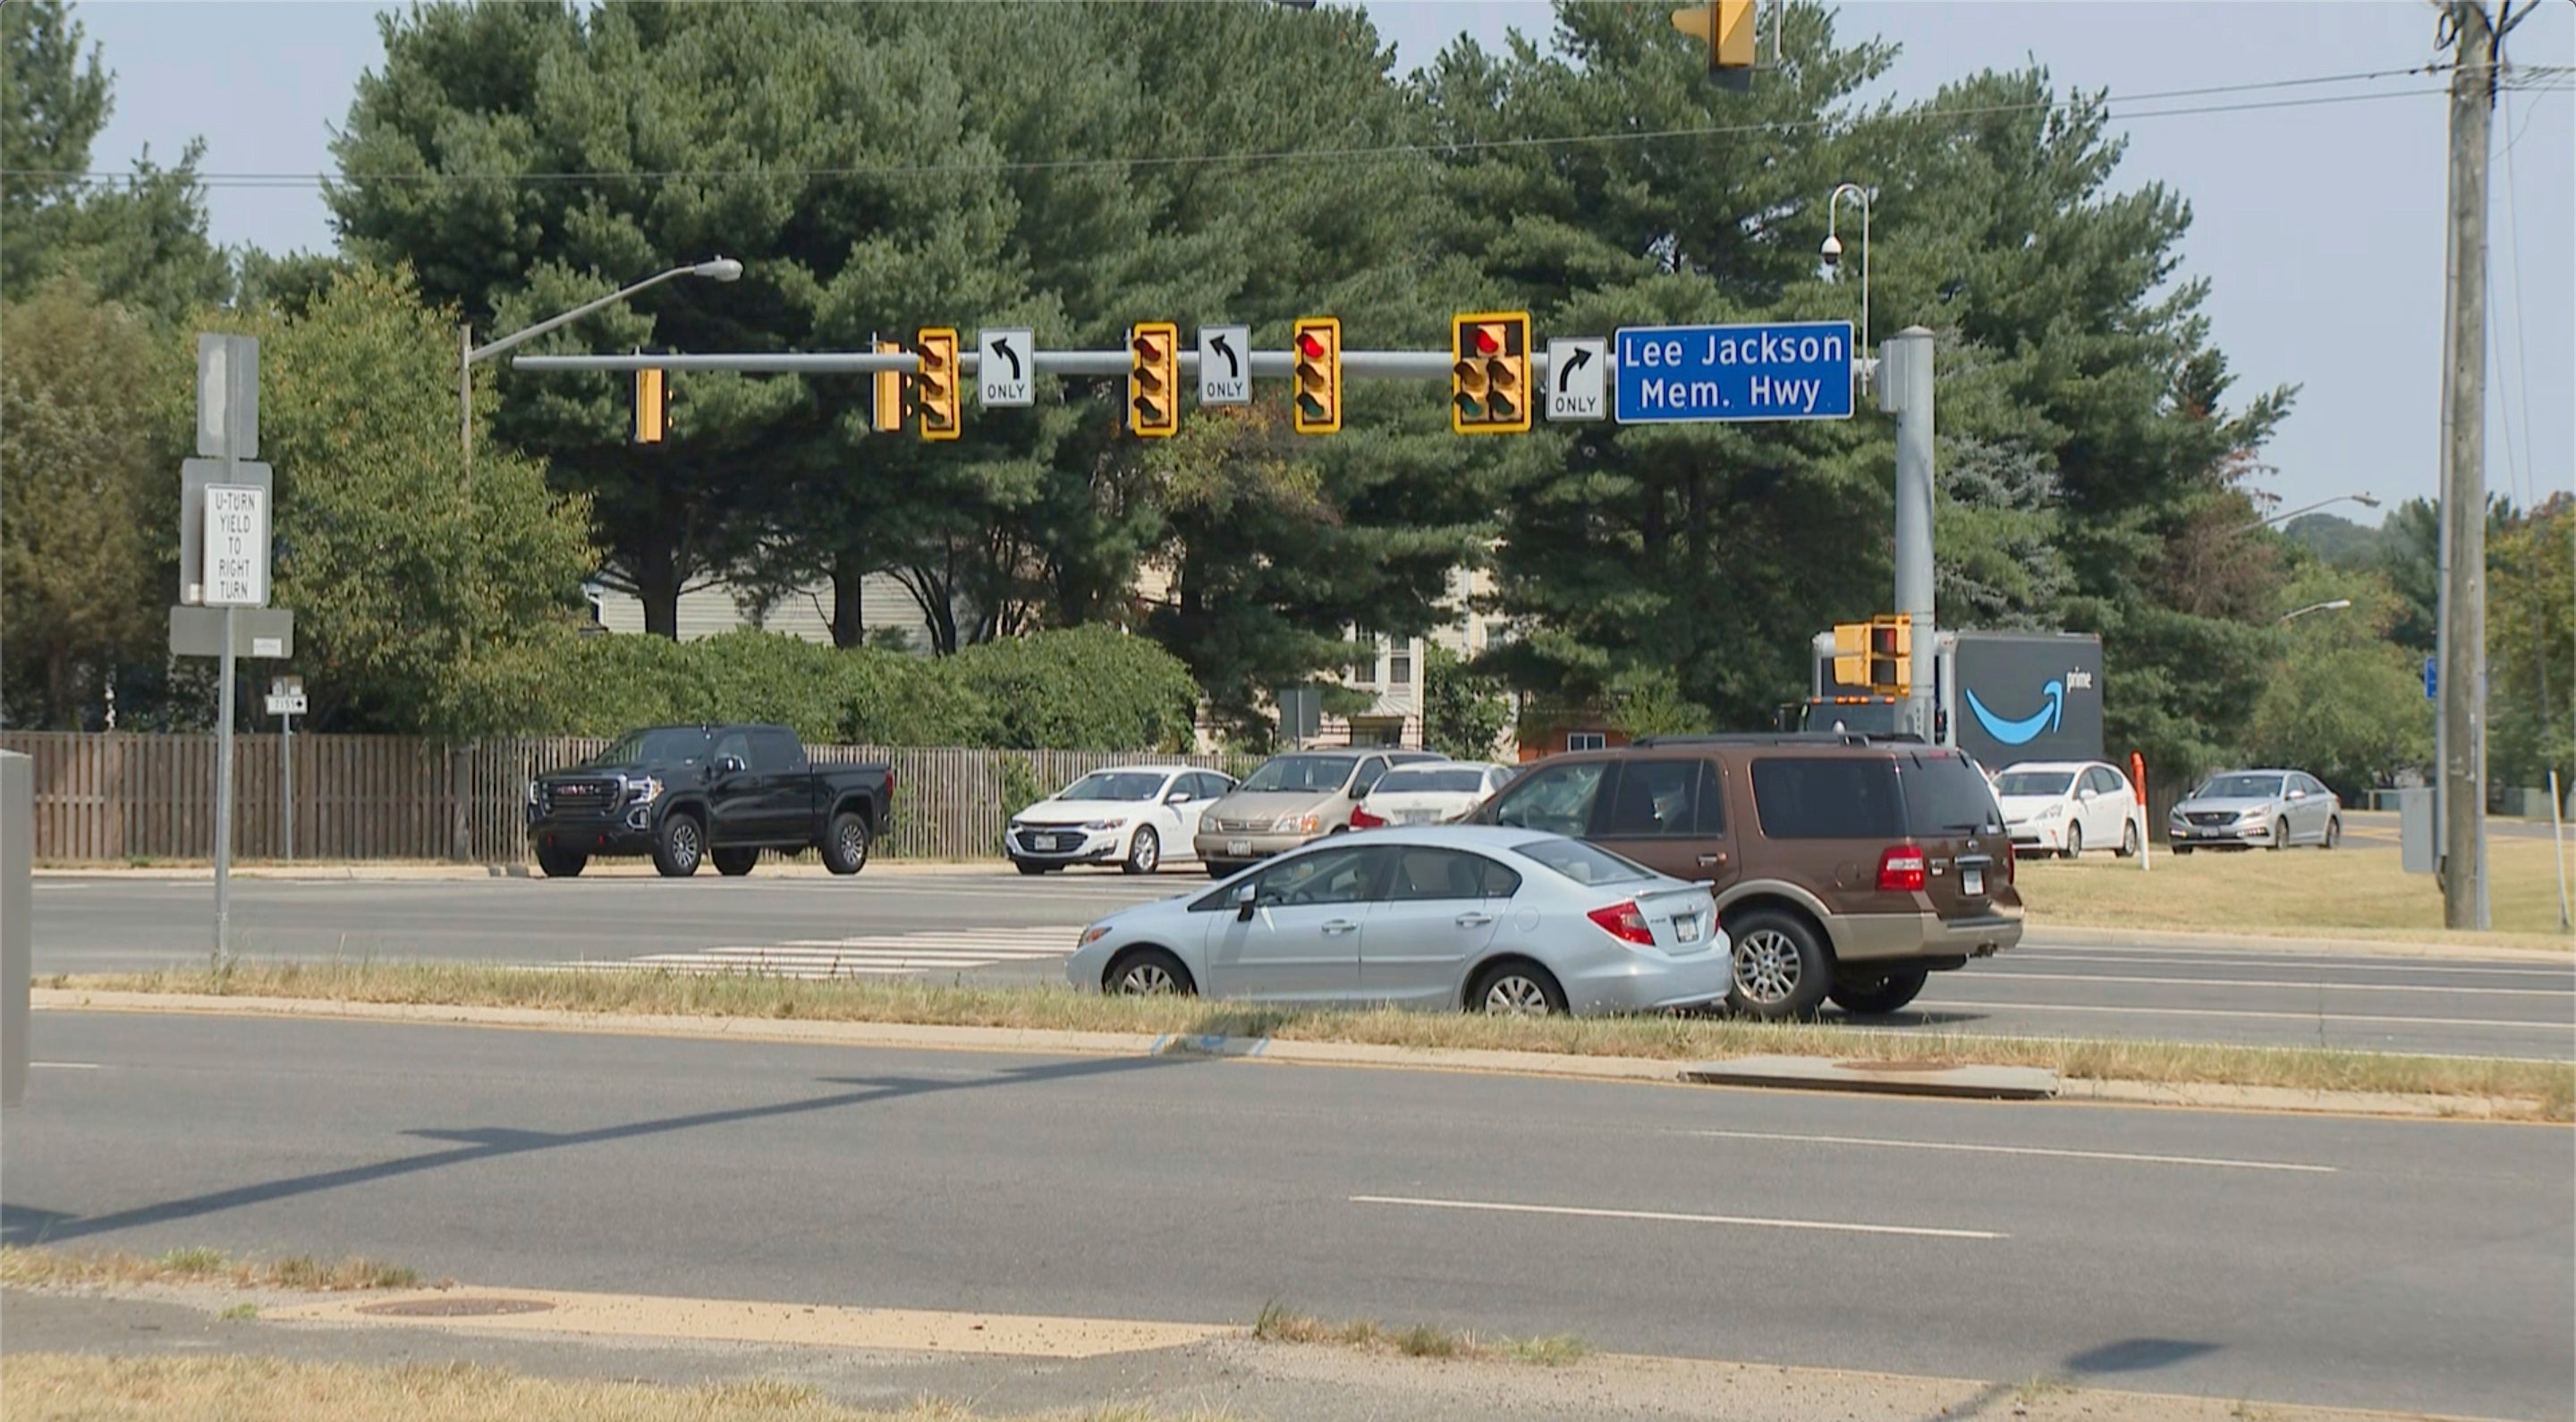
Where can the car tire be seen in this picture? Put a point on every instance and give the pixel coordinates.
(561, 863)
(1869, 997)
(1147, 972)
(1032, 870)
(2074, 843)
(679, 845)
(1516, 987)
(1144, 853)
(1781, 970)
(846, 843)
(2334, 833)
(2128, 841)
(2280, 837)
(733, 863)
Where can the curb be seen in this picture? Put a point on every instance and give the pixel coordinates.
(461, 873)
(2200, 1096)
(2047, 935)
(1982, 1083)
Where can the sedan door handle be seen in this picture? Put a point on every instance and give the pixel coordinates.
(1474, 920)
(1341, 925)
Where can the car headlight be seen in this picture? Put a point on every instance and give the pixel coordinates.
(1016, 826)
(532, 794)
(2252, 817)
(644, 791)
(1297, 824)
(1104, 824)
(2049, 812)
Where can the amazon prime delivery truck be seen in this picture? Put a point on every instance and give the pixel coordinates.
(2003, 697)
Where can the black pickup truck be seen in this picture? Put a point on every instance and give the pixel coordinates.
(683, 794)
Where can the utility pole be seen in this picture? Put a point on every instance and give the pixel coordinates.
(1905, 389)
(2477, 58)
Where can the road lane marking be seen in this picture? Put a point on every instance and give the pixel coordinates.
(2274, 961)
(1977, 1149)
(874, 955)
(1671, 1217)
(64, 1066)
(2308, 986)
(2527, 1023)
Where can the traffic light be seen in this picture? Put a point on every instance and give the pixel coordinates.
(1891, 655)
(937, 392)
(887, 416)
(1154, 379)
(1727, 27)
(652, 406)
(1489, 376)
(1851, 654)
(1318, 395)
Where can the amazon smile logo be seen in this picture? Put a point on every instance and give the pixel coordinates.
(2021, 732)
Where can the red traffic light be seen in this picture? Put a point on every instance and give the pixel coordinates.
(1310, 346)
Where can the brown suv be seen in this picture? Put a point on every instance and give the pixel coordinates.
(1844, 866)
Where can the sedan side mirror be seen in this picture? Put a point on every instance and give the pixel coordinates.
(1177, 797)
(1245, 896)
(2298, 794)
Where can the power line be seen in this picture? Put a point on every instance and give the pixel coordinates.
(2105, 104)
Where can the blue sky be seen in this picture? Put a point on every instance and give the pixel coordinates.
(2319, 226)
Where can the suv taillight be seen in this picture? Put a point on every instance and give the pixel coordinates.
(1362, 819)
(1900, 870)
(1624, 922)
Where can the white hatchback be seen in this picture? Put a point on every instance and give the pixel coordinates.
(1439, 793)
(2067, 807)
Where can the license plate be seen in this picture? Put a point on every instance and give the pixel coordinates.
(1238, 846)
(1062, 841)
(1686, 929)
(1972, 881)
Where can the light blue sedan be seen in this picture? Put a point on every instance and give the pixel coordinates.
(1441, 917)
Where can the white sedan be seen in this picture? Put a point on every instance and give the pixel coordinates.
(1429, 794)
(2067, 807)
(1131, 816)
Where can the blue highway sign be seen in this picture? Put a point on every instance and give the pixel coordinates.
(1798, 371)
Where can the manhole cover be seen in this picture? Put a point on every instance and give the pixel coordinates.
(456, 1308)
(1896, 1066)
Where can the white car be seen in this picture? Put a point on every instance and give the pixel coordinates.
(1429, 794)
(1130, 816)
(2066, 807)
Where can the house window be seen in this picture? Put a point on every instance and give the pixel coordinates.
(1586, 740)
(1364, 673)
(1399, 663)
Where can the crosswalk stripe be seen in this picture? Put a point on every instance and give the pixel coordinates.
(881, 955)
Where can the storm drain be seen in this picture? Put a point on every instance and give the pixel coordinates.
(455, 1308)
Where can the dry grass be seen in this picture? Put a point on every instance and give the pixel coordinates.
(34, 1268)
(88, 1388)
(2547, 1090)
(2350, 893)
(1420, 1340)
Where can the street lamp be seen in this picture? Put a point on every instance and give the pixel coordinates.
(1833, 251)
(2365, 500)
(718, 269)
(2338, 605)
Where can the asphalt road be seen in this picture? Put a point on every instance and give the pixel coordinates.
(983, 926)
(2418, 1265)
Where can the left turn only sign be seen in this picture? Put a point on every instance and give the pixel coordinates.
(1006, 367)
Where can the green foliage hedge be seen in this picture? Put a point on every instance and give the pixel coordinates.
(1089, 688)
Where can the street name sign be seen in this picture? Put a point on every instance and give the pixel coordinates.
(286, 705)
(1225, 365)
(1578, 378)
(1794, 371)
(1006, 367)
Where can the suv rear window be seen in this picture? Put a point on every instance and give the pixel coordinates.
(1837, 797)
(1944, 795)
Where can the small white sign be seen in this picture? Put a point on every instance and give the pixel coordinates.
(1578, 378)
(236, 545)
(268, 646)
(1006, 367)
(1225, 365)
(286, 705)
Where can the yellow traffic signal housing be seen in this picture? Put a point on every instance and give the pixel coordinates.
(935, 348)
(1851, 654)
(1154, 379)
(1317, 399)
(652, 406)
(1726, 26)
(1489, 373)
(887, 416)
(1891, 654)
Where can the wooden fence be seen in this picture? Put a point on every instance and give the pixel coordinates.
(116, 797)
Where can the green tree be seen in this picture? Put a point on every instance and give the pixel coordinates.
(1464, 714)
(2342, 701)
(2531, 645)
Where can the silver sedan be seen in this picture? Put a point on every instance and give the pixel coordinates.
(1438, 917)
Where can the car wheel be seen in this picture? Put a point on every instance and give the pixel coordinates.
(846, 845)
(1032, 870)
(2074, 843)
(1147, 972)
(2128, 841)
(1145, 855)
(1781, 969)
(1885, 993)
(678, 846)
(733, 863)
(2280, 837)
(562, 863)
(1516, 989)
(2334, 833)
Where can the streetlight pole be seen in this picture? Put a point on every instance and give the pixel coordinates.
(2365, 500)
(2338, 605)
(1833, 252)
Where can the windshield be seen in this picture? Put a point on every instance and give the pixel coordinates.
(2034, 782)
(665, 746)
(1416, 782)
(1115, 785)
(1583, 863)
(2240, 787)
(1301, 772)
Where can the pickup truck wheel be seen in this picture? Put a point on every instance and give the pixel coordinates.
(1145, 854)
(845, 846)
(734, 863)
(1885, 993)
(562, 863)
(1781, 969)
(678, 846)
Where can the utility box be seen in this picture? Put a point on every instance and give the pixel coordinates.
(2415, 837)
(17, 904)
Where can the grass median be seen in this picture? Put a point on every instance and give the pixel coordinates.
(2540, 1090)
(51, 1268)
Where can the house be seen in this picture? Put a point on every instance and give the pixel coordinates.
(887, 610)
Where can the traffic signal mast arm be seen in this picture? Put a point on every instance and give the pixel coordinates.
(1429, 366)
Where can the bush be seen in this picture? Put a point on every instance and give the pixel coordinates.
(1089, 688)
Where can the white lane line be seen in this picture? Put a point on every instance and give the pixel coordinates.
(64, 1066)
(1669, 1217)
(1975, 1149)
(2273, 961)
(2530, 1023)
(2308, 986)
